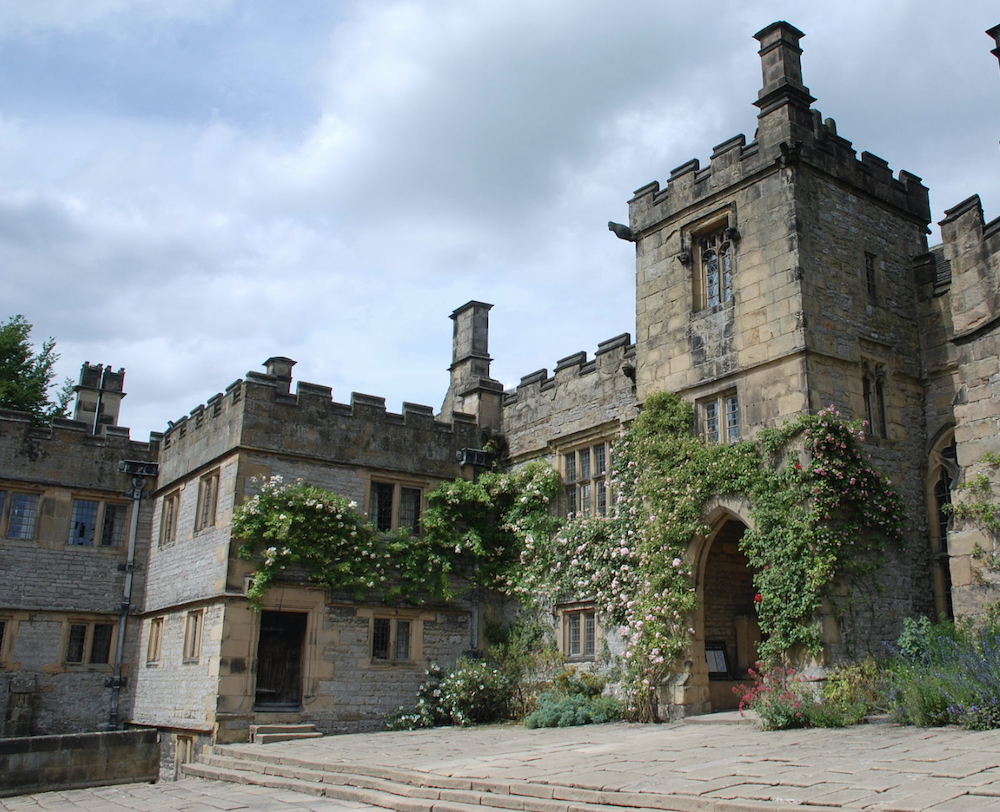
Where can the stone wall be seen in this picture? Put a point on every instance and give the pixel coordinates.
(581, 397)
(48, 763)
(973, 249)
(49, 584)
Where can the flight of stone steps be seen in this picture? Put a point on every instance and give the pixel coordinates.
(413, 791)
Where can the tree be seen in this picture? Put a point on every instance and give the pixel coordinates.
(25, 376)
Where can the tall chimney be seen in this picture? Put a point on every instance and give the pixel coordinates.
(782, 68)
(99, 396)
(472, 390)
(281, 368)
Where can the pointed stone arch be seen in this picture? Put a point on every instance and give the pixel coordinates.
(942, 475)
(725, 621)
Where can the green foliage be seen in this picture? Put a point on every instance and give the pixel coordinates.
(526, 653)
(977, 504)
(25, 376)
(576, 699)
(485, 525)
(820, 512)
(852, 692)
(571, 682)
(561, 710)
(472, 530)
(474, 692)
(302, 526)
(947, 673)
(781, 697)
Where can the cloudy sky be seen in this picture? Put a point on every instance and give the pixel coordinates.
(190, 187)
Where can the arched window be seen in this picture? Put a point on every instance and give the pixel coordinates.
(942, 472)
(715, 269)
(873, 387)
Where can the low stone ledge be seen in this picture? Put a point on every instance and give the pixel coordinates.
(43, 763)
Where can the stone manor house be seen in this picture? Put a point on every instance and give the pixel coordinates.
(788, 274)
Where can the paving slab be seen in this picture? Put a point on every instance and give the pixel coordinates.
(877, 768)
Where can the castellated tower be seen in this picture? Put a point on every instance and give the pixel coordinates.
(779, 280)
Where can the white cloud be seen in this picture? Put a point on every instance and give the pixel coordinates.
(188, 188)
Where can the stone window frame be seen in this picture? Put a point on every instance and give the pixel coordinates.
(871, 268)
(711, 234)
(388, 622)
(111, 516)
(170, 507)
(28, 523)
(579, 631)
(584, 470)
(154, 642)
(8, 628)
(400, 513)
(208, 501)
(719, 417)
(90, 645)
(194, 627)
(873, 375)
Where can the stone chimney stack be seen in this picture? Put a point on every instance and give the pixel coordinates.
(780, 57)
(472, 390)
(99, 396)
(281, 368)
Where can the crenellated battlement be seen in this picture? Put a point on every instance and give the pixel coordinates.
(735, 163)
(546, 410)
(66, 452)
(263, 389)
(610, 357)
(260, 412)
(64, 429)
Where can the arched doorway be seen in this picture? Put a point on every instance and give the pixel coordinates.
(728, 627)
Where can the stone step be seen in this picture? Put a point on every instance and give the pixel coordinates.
(304, 728)
(269, 734)
(413, 791)
(273, 738)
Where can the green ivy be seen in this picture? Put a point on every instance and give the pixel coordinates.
(301, 526)
(819, 511)
(472, 533)
(487, 525)
(979, 507)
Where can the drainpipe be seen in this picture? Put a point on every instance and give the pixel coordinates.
(139, 470)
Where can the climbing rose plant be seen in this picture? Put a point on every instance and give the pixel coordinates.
(472, 534)
(301, 526)
(819, 511)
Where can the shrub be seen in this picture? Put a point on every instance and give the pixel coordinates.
(851, 693)
(556, 709)
(780, 697)
(947, 673)
(525, 652)
(576, 699)
(475, 692)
